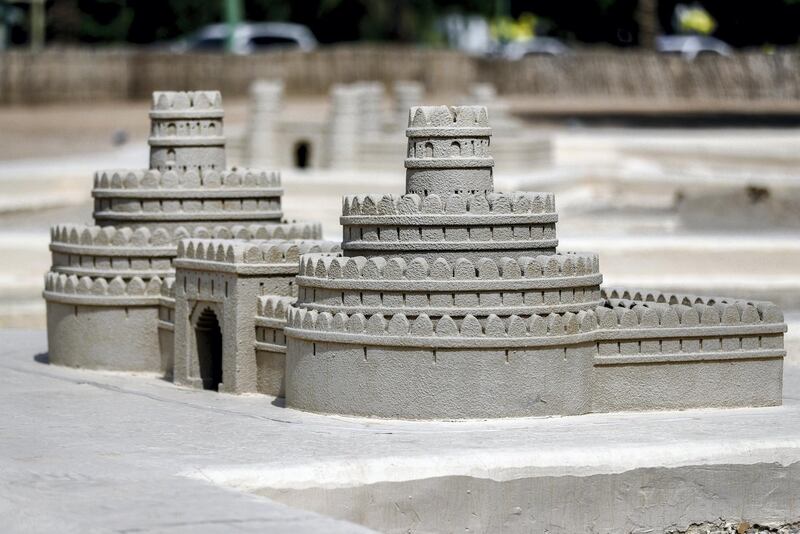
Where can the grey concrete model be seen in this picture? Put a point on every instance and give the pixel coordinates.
(110, 296)
(222, 290)
(359, 132)
(451, 301)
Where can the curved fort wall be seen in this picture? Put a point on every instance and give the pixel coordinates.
(635, 356)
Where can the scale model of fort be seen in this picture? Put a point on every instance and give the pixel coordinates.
(449, 301)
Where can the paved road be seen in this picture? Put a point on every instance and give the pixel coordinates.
(84, 451)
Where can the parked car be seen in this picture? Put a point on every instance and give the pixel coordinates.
(691, 46)
(538, 46)
(248, 38)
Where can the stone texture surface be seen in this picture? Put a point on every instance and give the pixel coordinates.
(85, 451)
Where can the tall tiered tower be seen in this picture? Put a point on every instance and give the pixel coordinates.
(451, 301)
(187, 185)
(450, 209)
(106, 286)
(451, 257)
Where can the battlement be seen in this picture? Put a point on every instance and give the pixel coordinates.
(603, 324)
(250, 252)
(632, 297)
(396, 268)
(197, 101)
(477, 203)
(87, 286)
(168, 290)
(448, 117)
(110, 236)
(654, 315)
(274, 306)
(409, 331)
(189, 179)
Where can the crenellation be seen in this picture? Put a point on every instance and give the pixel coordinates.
(542, 266)
(455, 203)
(252, 251)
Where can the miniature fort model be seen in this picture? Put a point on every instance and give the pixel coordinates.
(449, 301)
(109, 303)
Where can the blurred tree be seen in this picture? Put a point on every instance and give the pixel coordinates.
(587, 21)
(615, 22)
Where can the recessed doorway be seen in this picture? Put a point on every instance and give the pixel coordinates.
(302, 154)
(208, 337)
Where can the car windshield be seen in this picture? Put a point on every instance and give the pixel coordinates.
(270, 41)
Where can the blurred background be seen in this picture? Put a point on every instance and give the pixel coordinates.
(668, 129)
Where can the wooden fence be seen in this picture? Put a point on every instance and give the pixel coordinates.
(73, 75)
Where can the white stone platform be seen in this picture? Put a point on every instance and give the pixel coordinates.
(84, 451)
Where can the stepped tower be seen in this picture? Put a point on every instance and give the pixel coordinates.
(451, 301)
(450, 209)
(449, 254)
(109, 281)
(187, 185)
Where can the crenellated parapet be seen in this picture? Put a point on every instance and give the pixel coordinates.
(152, 197)
(87, 290)
(399, 330)
(256, 252)
(455, 203)
(103, 236)
(107, 181)
(654, 325)
(506, 286)
(451, 226)
(107, 251)
(270, 323)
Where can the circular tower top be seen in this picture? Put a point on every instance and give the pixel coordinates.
(186, 131)
(448, 150)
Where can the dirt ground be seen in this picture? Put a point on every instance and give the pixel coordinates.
(59, 130)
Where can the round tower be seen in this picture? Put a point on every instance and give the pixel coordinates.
(266, 97)
(449, 301)
(448, 150)
(186, 131)
(344, 125)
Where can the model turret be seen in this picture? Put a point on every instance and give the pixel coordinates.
(448, 150)
(186, 131)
